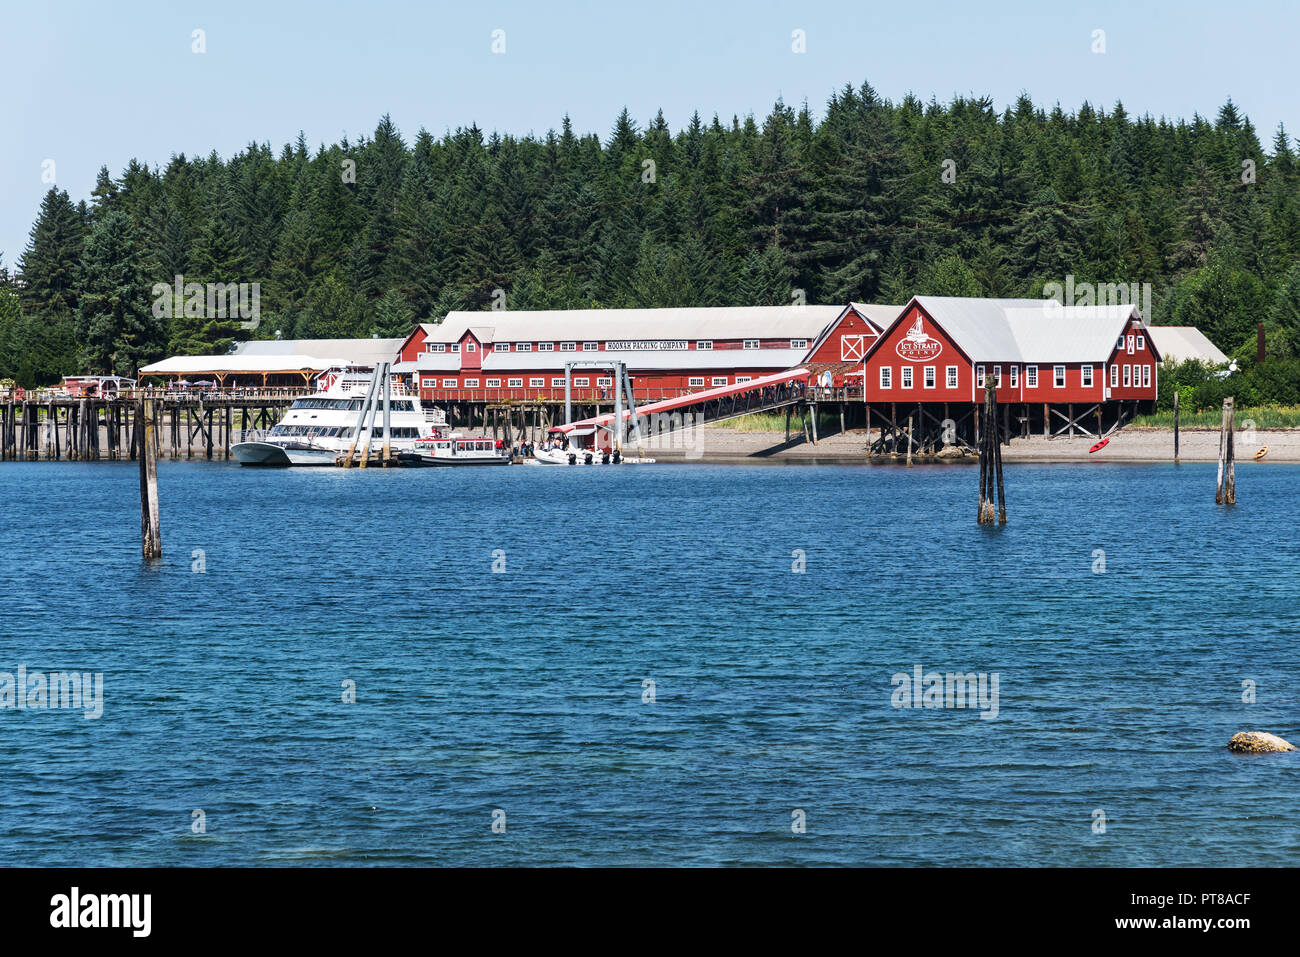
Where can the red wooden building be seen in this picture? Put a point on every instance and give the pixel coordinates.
(521, 355)
(1054, 368)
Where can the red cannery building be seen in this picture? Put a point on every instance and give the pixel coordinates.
(511, 355)
(1055, 368)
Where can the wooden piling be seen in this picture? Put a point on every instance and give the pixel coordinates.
(1175, 426)
(150, 530)
(990, 463)
(1226, 487)
(909, 441)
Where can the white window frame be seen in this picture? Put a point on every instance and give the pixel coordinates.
(454, 347)
(929, 376)
(979, 377)
(798, 343)
(905, 378)
(1085, 376)
(1114, 375)
(997, 377)
(1128, 375)
(523, 347)
(568, 347)
(605, 382)
(537, 382)
(1058, 377)
(435, 347)
(501, 347)
(515, 383)
(704, 345)
(950, 377)
(744, 378)
(449, 383)
(1142, 343)
(752, 344)
(591, 347)
(471, 383)
(718, 380)
(886, 377)
(1031, 377)
(492, 383)
(557, 382)
(469, 346)
(582, 382)
(545, 347)
(695, 382)
(1146, 377)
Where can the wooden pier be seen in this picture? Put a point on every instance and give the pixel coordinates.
(92, 429)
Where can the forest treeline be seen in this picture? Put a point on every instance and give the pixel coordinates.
(876, 202)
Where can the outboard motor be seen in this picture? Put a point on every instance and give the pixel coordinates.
(573, 458)
(604, 459)
(617, 457)
(586, 459)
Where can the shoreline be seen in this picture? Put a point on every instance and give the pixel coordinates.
(1133, 445)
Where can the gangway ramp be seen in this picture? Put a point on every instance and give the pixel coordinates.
(763, 394)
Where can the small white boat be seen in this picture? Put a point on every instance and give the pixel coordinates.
(578, 447)
(453, 450)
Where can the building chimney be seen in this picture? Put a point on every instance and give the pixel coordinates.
(1259, 343)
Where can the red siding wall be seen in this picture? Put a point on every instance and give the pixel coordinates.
(887, 355)
(832, 348)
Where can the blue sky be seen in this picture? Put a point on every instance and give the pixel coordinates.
(88, 84)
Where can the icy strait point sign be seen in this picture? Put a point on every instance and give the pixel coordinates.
(916, 346)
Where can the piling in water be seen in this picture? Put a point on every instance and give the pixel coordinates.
(150, 530)
(1225, 492)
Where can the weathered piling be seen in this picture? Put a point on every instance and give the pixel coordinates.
(1175, 426)
(909, 441)
(150, 526)
(1225, 492)
(990, 449)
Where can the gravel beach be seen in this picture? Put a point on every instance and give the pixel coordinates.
(1133, 444)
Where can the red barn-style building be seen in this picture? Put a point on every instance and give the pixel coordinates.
(1053, 367)
(521, 355)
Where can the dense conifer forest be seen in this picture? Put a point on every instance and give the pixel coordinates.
(877, 201)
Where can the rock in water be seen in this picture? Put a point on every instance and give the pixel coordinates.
(1258, 742)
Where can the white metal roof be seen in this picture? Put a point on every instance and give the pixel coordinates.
(354, 351)
(878, 315)
(193, 365)
(684, 359)
(598, 325)
(1180, 343)
(1029, 330)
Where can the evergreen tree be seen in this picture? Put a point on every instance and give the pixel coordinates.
(115, 323)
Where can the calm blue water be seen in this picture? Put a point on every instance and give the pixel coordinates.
(522, 691)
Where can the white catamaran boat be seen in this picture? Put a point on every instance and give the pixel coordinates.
(318, 428)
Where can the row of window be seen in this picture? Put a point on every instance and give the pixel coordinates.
(1132, 375)
(344, 432)
(536, 382)
(579, 382)
(703, 345)
(397, 405)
